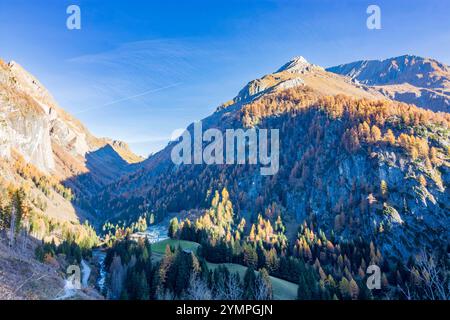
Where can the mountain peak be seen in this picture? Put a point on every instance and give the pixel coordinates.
(299, 72)
(297, 65)
(123, 149)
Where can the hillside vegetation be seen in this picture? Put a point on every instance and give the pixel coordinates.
(357, 167)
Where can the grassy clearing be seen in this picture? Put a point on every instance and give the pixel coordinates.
(282, 289)
(160, 247)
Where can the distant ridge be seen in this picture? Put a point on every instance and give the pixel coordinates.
(424, 82)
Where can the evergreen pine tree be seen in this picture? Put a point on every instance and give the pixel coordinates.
(249, 284)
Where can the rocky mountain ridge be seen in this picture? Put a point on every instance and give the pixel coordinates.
(299, 72)
(422, 81)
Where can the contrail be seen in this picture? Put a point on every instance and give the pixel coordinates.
(128, 98)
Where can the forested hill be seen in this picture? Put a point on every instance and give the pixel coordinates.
(353, 162)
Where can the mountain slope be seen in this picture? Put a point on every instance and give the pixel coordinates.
(296, 73)
(422, 81)
(351, 160)
(47, 136)
(34, 129)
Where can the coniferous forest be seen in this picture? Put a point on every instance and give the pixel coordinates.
(322, 267)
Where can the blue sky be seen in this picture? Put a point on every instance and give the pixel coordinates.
(137, 70)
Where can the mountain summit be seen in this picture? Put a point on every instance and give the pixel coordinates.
(298, 65)
(299, 72)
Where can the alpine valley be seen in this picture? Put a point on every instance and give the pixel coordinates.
(364, 172)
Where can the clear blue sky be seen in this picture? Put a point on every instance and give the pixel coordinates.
(178, 60)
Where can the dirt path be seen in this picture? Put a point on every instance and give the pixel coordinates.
(70, 287)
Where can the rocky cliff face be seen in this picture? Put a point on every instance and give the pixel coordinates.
(422, 81)
(24, 124)
(34, 126)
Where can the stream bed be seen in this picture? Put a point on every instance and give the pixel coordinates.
(154, 233)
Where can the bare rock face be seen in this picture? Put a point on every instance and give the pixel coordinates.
(299, 65)
(64, 130)
(28, 134)
(25, 125)
(32, 124)
(288, 76)
(421, 81)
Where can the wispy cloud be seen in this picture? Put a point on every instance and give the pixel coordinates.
(137, 69)
(154, 59)
(128, 98)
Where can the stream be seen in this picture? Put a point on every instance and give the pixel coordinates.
(99, 257)
(154, 233)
